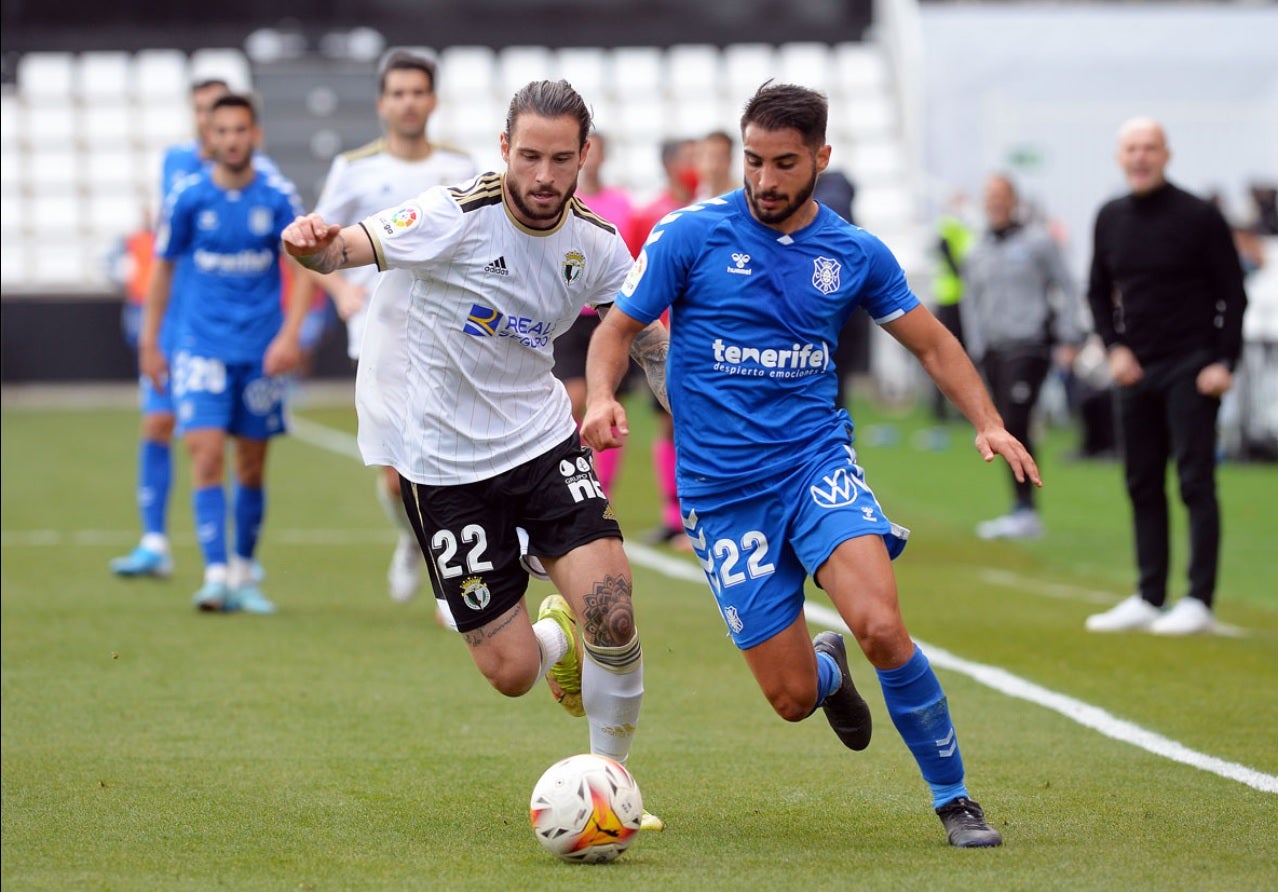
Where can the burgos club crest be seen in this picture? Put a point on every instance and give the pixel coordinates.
(475, 593)
(825, 275)
(574, 266)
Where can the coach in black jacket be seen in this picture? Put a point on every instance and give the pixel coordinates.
(1167, 297)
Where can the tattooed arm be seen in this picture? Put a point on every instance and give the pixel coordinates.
(649, 349)
(324, 247)
(618, 338)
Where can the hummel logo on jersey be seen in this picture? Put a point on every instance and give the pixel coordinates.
(498, 267)
(740, 259)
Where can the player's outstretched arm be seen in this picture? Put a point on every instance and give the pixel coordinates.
(324, 247)
(284, 353)
(604, 425)
(947, 363)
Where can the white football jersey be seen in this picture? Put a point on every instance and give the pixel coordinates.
(455, 381)
(365, 180)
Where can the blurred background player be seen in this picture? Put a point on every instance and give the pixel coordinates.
(679, 161)
(714, 165)
(229, 343)
(400, 164)
(152, 556)
(1020, 312)
(614, 205)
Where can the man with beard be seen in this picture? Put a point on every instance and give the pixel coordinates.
(455, 390)
(231, 343)
(758, 283)
(399, 165)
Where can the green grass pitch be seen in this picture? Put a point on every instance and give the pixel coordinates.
(347, 743)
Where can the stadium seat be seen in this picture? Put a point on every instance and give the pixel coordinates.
(162, 123)
(115, 214)
(693, 71)
(46, 76)
(50, 123)
(873, 161)
(102, 75)
(54, 171)
(161, 74)
(107, 123)
(11, 121)
(693, 117)
(859, 68)
(866, 117)
(640, 116)
(517, 65)
(585, 68)
(12, 172)
(56, 262)
(112, 169)
(635, 71)
(14, 272)
(466, 72)
(227, 63)
(746, 66)
(881, 207)
(806, 64)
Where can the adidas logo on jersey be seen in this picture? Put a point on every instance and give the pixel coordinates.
(498, 267)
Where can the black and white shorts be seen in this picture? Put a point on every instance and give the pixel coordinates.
(469, 533)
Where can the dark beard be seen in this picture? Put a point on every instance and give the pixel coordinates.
(786, 212)
(518, 201)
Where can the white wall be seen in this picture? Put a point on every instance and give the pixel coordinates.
(1041, 91)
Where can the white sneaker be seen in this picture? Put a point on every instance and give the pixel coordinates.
(405, 574)
(1190, 616)
(1134, 614)
(1020, 524)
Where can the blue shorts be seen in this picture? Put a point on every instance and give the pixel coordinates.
(759, 544)
(152, 401)
(235, 397)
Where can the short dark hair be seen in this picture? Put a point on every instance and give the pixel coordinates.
(405, 60)
(205, 82)
(788, 107)
(722, 136)
(235, 100)
(550, 99)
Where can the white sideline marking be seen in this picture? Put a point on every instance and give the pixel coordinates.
(991, 676)
(1013, 686)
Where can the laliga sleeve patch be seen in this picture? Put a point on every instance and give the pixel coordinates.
(397, 221)
(636, 273)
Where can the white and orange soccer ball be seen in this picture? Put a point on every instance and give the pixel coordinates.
(586, 808)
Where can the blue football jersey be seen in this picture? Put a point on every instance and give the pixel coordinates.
(180, 162)
(755, 315)
(231, 239)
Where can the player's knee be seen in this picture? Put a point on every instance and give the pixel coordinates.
(793, 705)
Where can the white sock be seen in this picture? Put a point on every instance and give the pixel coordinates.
(612, 692)
(240, 572)
(552, 643)
(215, 573)
(157, 542)
(393, 505)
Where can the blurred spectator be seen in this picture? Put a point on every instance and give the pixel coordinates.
(1020, 312)
(613, 204)
(678, 159)
(955, 236)
(714, 164)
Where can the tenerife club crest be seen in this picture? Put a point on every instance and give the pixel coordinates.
(574, 266)
(825, 275)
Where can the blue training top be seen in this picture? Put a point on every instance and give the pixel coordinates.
(231, 301)
(754, 319)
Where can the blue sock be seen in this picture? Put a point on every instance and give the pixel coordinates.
(155, 471)
(829, 677)
(210, 523)
(918, 708)
(250, 508)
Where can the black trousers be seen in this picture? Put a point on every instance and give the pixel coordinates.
(1163, 416)
(1015, 376)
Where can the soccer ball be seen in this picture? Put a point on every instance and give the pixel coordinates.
(586, 808)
